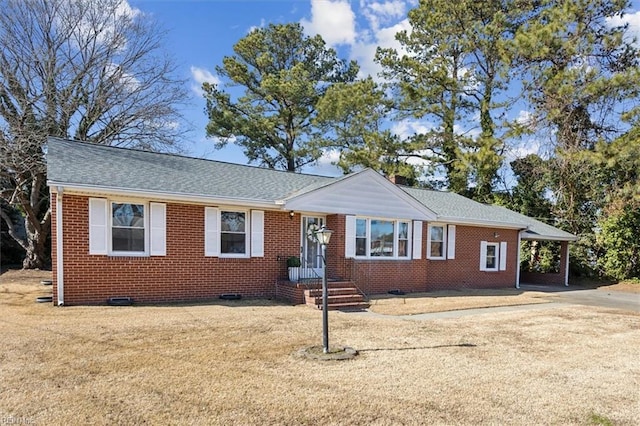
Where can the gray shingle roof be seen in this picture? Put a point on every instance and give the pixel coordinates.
(72, 162)
(453, 207)
(89, 165)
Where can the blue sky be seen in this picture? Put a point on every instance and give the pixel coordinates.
(202, 32)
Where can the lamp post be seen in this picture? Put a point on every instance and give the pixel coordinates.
(323, 236)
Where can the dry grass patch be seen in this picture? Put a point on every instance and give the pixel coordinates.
(236, 363)
(449, 300)
(629, 286)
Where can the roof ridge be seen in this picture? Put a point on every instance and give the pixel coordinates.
(176, 155)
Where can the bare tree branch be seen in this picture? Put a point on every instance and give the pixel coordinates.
(92, 70)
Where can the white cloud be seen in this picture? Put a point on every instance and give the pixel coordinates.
(522, 149)
(325, 166)
(365, 49)
(335, 21)
(407, 128)
(105, 17)
(263, 23)
(201, 75)
(633, 19)
(383, 13)
(524, 118)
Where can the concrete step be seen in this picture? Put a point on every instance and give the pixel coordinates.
(356, 306)
(339, 299)
(331, 291)
(340, 295)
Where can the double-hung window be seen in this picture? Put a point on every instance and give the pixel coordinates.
(127, 227)
(382, 238)
(493, 256)
(233, 232)
(436, 242)
(441, 241)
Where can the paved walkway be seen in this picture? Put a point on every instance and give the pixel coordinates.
(591, 297)
(564, 296)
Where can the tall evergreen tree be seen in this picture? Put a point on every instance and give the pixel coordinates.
(353, 118)
(456, 63)
(282, 74)
(582, 79)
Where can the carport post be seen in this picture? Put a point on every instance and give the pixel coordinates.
(566, 265)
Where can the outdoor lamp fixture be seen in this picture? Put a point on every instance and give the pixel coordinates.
(323, 235)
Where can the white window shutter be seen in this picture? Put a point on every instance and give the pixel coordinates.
(417, 239)
(451, 242)
(158, 229)
(98, 226)
(211, 232)
(350, 237)
(503, 256)
(483, 255)
(257, 233)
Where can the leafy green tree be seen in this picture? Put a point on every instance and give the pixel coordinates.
(581, 77)
(456, 63)
(283, 75)
(352, 117)
(529, 194)
(91, 70)
(618, 238)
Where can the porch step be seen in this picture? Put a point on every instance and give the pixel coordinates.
(340, 295)
(331, 291)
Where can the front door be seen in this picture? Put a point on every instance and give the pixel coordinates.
(311, 255)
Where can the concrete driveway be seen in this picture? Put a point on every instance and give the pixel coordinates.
(563, 296)
(590, 297)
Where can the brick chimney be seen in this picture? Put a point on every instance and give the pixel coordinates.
(398, 180)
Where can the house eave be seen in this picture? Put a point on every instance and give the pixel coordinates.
(482, 223)
(82, 189)
(528, 236)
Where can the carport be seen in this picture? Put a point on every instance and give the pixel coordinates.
(539, 232)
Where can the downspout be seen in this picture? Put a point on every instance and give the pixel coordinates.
(59, 237)
(518, 260)
(566, 267)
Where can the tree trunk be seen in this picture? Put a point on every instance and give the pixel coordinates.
(37, 256)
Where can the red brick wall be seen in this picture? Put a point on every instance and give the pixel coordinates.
(379, 276)
(185, 274)
(464, 270)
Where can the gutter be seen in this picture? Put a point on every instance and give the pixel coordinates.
(480, 222)
(518, 259)
(59, 247)
(81, 189)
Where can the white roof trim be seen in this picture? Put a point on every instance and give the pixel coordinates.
(159, 195)
(483, 223)
(532, 236)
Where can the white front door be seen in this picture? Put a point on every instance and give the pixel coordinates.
(311, 255)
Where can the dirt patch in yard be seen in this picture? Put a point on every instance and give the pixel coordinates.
(235, 364)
